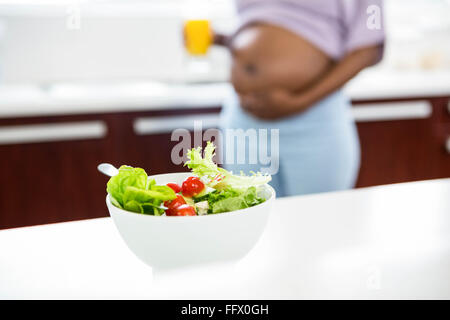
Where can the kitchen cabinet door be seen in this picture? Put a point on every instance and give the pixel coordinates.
(49, 172)
(395, 151)
(401, 150)
(442, 138)
(48, 165)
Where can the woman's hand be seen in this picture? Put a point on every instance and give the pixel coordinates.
(273, 104)
(220, 39)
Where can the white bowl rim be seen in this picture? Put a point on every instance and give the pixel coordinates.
(222, 214)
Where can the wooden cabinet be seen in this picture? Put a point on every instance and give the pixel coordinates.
(52, 177)
(408, 149)
(51, 182)
(56, 180)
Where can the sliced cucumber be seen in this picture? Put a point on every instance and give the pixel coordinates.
(189, 200)
(204, 192)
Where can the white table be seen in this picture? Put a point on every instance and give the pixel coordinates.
(383, 242)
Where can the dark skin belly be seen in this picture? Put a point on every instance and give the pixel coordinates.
(267, 57)
(277, 73)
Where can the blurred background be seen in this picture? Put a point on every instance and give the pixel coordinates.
(85, 82)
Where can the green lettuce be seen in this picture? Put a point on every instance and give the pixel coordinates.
(128, 176)
(231, 199)
(217, 177)
(133, 191)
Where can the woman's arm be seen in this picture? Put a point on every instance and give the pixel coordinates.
(339, 75)
(278, 103)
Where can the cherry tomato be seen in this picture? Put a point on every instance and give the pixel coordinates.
(172, 205)
(175, 187)
(185, 210)
(192, 186)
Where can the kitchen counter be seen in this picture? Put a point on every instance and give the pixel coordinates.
(63, 99)
(382, 242)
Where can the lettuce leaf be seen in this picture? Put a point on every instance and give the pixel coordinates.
(133, 191)
(220, 178)
(231, 199)
(229, 204)
(128, 176)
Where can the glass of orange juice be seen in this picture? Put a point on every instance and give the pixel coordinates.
(198, 36)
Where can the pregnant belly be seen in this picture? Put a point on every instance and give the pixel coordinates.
(267, 56)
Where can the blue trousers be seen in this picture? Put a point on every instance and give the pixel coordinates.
(318, 149)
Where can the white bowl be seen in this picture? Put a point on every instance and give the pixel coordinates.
(169, 242)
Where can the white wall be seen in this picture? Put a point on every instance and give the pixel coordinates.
(111, 41)
(121, 40)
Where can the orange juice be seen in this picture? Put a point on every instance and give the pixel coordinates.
(198, 36)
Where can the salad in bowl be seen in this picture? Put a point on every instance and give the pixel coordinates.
(209, 190)
(178, 219)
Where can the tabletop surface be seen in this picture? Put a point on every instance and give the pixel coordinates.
(382, 242)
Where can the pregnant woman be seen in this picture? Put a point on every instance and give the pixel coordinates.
(290, 59)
